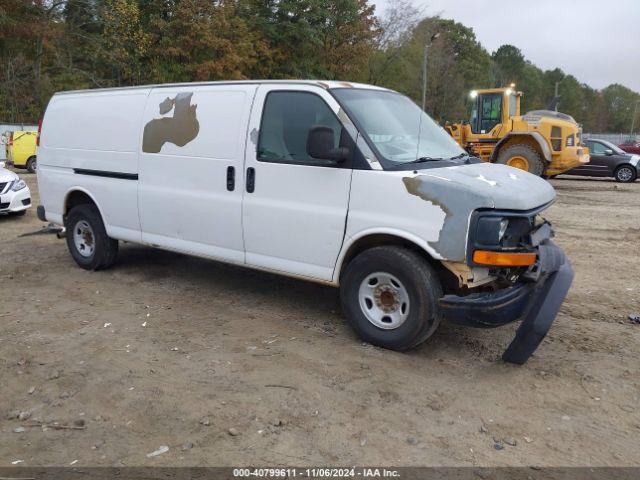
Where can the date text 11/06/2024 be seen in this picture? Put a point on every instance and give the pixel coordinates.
(316, 472)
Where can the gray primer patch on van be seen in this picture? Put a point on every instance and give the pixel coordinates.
(457, 202)
(179, 129)
(253, 136)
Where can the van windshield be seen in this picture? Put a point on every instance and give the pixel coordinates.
(397, 127)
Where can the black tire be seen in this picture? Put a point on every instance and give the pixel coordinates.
(625, 174)
(421, 283)
(105, 248)
(32, 164)
(536, 163)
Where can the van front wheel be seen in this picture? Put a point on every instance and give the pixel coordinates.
(87, 239)
(390, 297)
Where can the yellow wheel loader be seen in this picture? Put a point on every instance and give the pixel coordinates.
(542, 142)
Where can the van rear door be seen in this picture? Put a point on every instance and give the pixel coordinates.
(295, 207)
(190, 185)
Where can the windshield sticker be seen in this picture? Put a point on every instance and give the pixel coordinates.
(179, 129)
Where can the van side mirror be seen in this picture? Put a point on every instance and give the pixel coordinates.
(320, 142)
(608, 151)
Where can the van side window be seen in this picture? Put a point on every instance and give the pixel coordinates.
(286, 120)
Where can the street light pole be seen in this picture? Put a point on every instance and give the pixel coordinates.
(633, 120)
(424, 70)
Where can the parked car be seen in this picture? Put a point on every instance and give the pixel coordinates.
(608, 160)
(342, 184)
(21, 150)
(631, 146)
(15, 196)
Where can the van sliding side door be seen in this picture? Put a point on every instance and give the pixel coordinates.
(191, 162)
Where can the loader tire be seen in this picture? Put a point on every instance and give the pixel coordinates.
(523, 157)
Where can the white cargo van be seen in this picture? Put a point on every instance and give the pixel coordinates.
(333, 182)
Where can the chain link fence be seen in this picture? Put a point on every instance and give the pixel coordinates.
(615, 138)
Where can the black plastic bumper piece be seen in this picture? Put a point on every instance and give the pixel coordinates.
(40, 213)
(536, 302)
(487, 310)
(544, 307)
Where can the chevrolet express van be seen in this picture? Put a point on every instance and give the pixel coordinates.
(340, 183)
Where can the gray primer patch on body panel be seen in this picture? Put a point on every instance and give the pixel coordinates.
(253, 136)
(179, 129)
(458, 202)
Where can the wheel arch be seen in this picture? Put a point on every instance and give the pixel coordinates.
(534, 139)
(374, 238)
(79, 196)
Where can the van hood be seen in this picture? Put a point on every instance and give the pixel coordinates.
(493, 186)
(489, 185)
(460, 190)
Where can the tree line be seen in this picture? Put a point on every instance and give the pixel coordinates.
(52, 45)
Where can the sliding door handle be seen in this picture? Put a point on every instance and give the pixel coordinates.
(251, 179)
(231, 178)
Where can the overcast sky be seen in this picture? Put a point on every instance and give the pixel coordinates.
(597, 41)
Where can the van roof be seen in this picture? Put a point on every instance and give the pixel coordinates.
(326, 84)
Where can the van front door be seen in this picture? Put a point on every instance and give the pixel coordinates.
(295, 206)
(191, 162)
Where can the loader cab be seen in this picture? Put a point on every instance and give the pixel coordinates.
(492, 107)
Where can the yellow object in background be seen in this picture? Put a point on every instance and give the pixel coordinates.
(21, 149)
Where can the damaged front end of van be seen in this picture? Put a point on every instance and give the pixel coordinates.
(508, 268)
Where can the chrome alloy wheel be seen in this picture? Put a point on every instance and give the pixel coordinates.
(84, 239)
(384, 300)
(625, 174)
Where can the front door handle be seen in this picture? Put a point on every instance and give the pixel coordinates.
(231, 179)
(251, 179)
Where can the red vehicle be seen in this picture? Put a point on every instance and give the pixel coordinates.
(631, 146)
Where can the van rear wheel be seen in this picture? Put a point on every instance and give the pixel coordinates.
(87, 239)
(523, 157)
(390, 297)
(32, 164)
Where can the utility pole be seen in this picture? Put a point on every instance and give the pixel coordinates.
(424, 70)
(556, 97)
(633, 120)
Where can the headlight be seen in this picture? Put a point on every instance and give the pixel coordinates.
(496, 231)
(18, 185)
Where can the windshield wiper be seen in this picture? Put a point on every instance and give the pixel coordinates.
(424, 159)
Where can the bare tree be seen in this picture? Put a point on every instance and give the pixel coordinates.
(396, 24)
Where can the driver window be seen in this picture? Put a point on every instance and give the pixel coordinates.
(598, 148)
(287, 119)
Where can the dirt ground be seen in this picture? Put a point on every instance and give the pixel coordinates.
(228, 366)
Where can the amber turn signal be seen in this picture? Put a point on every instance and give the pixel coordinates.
(504, 259)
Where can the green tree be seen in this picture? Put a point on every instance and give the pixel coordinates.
(509, 65)
(619, 104)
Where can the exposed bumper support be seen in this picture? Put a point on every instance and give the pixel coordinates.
(537, 302)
